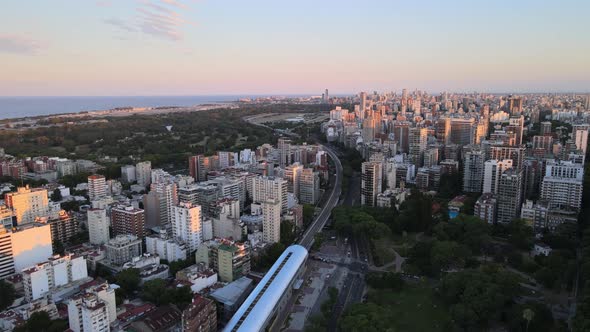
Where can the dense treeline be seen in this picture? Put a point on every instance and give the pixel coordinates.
(146, 136)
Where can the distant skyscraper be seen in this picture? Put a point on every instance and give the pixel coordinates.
(509, 196)
(371, 182)
(363, 106)
(271, 222)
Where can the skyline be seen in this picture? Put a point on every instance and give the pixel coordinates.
(197, 48)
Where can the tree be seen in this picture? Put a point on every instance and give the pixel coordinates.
(41, 322)
(520, 234)
(129, 280)
(56, 196)
(528, 315)
(287, 233)
(308, 212)
(7, 295)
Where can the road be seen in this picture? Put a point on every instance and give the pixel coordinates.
(333, 198)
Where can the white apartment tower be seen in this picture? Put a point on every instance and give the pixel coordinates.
(187, 225)
(265, 188)
(563, 183)
(97, 186)
(98, 226)
(27, 204)
(493, 169)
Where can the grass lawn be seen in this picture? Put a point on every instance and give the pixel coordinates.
(386, 245)
(414, 308)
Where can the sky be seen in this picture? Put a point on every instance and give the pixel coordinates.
(209, 47)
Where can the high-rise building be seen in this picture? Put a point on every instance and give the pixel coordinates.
(128, 220)
(293, 175)
(90, 309)
(284, 147)
(232, 261)
(562, 184)
(473, 170)
(545, 128)
(493, 170)
(371, 182)
(265, 188)
(128, 173)
(28, 204)
(515, 105)
(63, 226)
(309, 187)
(515, 126)
(97, 186)
(122, 248)
(508, 152)
(509, 196)
(431, 157)
(271, 222)
(41, 279)
(143, 173)
(6, 215)
(226, 220)
(24, 246)
(227, 159)
(187, 225)
(98, 226)
(580, 136)
(544, 143)
(166, 247)
(401, 134)
(443, 130)
(363, 105)
(200, 165)
(462, 131)
(167, 193)
(417, 145)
